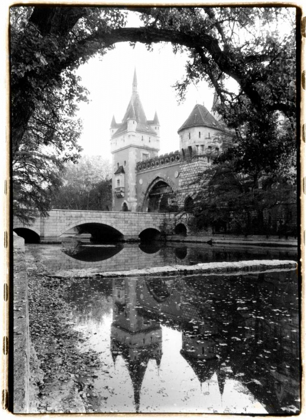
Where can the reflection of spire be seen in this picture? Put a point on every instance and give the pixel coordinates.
(114, 356)
(136, 338)
(137, 370)
(221, 380)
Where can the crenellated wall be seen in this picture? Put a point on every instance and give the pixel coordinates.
(180, 170)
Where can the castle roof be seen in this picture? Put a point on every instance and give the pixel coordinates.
(155, 120)
(203, 368)
(114, 124)
(120, 170)
(135, 112)
(201, 117)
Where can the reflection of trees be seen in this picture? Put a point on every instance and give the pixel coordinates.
(248, 323)
(90, 299)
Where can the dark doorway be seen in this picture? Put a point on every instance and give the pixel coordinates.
(188, 205)
(180, 229)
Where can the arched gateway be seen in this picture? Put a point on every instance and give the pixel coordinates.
(159, 197)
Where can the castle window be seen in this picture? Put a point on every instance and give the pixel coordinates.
(125, 163)
(189, 136)
(199, 134)
(118, 182)
(202, 148)
(188, 204)
(209, 135)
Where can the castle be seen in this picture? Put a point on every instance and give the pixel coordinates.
(142, 181)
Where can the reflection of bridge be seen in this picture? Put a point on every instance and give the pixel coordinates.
(101, 224)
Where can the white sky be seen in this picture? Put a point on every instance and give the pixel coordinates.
(109, 81)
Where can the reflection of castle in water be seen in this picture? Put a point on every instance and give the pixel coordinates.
(221, 334)
(137, 339)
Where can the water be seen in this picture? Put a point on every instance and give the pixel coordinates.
(73, 256)
(193, 344)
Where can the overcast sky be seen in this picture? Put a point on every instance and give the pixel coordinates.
(109, 81)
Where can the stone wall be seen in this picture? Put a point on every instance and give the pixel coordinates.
(189, 179)
(21, 335)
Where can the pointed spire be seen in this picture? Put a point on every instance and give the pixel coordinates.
(135, 81)
(156, 120)
(113, 123)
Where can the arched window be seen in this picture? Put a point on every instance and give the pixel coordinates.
(125, 207)
(188, 205)
(199, 134)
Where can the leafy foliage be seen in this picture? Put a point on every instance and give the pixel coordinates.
(232, 202)
(86, 185)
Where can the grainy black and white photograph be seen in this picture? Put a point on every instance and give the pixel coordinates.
(155, 215)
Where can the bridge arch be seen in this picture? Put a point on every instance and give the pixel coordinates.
(150, 234)
(30, 235)
(100, 232)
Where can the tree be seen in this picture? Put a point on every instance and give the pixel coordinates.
(87, 185)
(232, 202)
(48, 43)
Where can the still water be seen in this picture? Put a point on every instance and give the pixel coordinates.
(194, 344)
(71, 257)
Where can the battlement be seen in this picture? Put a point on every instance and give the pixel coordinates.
(189, 154)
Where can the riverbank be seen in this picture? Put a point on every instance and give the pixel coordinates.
(21, 335)
(50, 373)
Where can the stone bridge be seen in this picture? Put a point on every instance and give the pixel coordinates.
(102, 225)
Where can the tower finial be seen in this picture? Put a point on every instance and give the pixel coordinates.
(135, 81)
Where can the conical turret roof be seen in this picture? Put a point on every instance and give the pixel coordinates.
(155, 120)
(203, 368)
(201, 117)
(135, 112)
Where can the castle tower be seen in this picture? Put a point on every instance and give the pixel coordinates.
(201, 132)
(133, 140)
